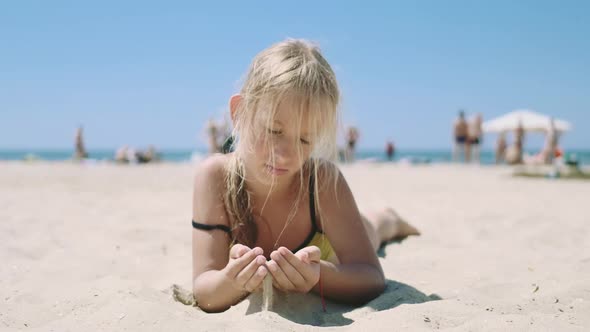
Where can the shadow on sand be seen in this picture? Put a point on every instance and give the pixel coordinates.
(307, 308)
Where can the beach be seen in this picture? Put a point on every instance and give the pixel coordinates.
(100, 246)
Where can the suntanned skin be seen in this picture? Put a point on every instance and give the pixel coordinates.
(460, 129)
(223, 276)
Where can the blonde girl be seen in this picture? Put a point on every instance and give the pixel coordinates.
(277, 204)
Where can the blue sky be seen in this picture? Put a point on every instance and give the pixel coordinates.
(141, 72)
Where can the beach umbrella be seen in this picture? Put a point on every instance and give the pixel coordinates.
(530, 121)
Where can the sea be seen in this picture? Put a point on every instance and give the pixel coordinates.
(417, 156)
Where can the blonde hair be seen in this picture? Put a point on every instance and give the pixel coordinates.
(293, 72)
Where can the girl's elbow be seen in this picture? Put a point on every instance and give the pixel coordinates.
(368, 294)
(380, 287)
(208, 306)
(374, 291)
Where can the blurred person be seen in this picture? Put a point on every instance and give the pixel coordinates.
(501, 148)
(389, 150)
(79, 149)
(474, 139)
(352, 136)
(213, 133)
(149, 156)
(514, 154)
(460, 132)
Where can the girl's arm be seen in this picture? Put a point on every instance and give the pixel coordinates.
(220, 278)
(350, 283)
(358, 278)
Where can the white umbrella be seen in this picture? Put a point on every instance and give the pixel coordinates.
(530, 121)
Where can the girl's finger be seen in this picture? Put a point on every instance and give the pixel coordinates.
(305, 270)
(314, 254)
(290, 272)
(236, 265)
(237, 250)
(280, 280)
(246, 274)
(256, 279)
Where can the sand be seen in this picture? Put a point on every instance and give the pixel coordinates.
(99, 247)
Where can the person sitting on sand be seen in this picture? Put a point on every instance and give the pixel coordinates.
(460, 133)
(79, 151)
(126, 154)
(278, 205)
(149, 156)
(121, 154)
(550, 150)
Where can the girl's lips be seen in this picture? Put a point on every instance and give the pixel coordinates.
(276, 170)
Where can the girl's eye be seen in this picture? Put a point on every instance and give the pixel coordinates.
(306, 142)
(275, 132)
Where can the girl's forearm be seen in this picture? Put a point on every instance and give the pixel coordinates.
(350, 283)
(214, 293)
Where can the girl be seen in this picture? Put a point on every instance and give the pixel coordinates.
(277, 205)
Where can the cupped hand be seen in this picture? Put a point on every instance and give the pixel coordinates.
(298, 271)
(246, 268)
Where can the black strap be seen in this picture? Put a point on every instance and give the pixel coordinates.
(314, 226)
(205, 227)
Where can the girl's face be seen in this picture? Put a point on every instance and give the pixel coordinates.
(280, 146)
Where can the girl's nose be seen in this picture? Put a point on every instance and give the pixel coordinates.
(284, 150)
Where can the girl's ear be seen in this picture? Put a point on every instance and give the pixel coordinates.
(234, 102)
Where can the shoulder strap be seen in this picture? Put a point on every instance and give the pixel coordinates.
(205, 227)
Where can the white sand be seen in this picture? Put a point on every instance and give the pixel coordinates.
(98, 248)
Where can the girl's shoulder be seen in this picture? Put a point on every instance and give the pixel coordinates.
(210, 173)
(327, 173)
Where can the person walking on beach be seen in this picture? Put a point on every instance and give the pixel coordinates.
(474, 139)
(79, 149)
(460, 132)
(277, 205)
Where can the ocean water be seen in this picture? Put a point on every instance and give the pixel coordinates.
(186, 155)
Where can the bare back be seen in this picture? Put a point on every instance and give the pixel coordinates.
(460, 128)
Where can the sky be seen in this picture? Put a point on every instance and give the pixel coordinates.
(147, 72)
